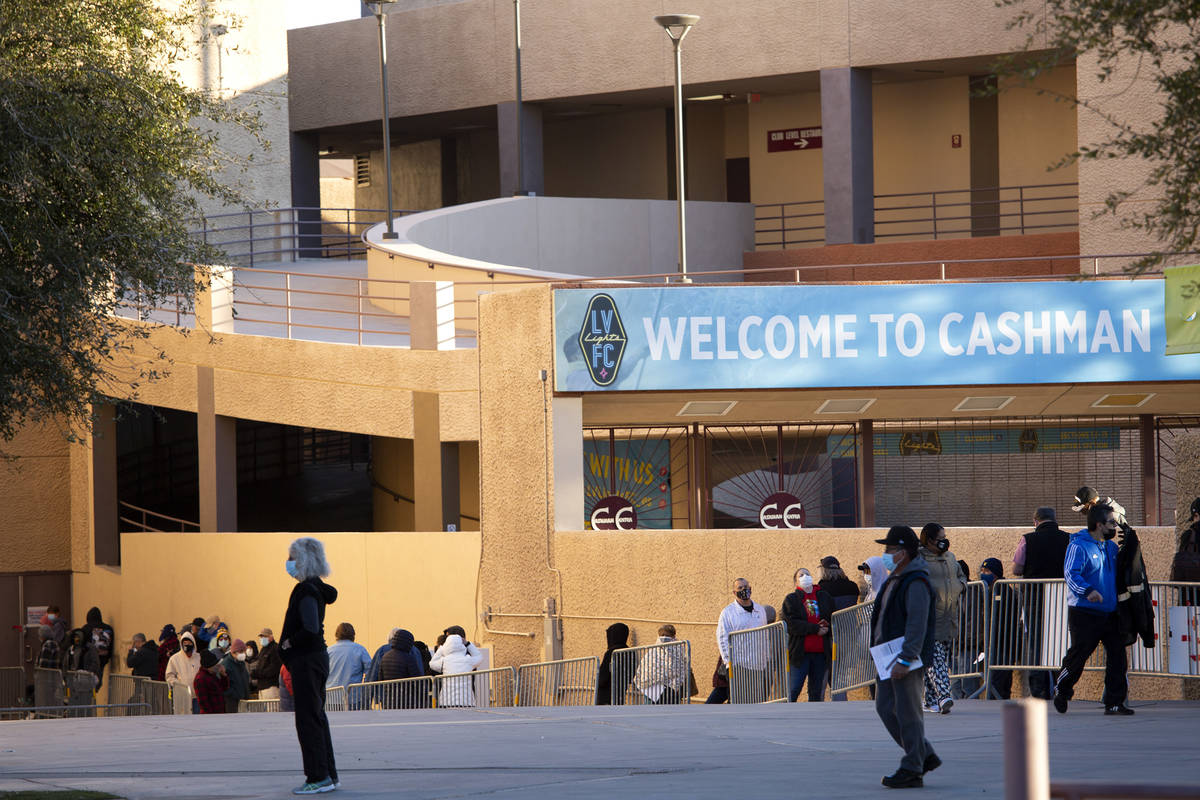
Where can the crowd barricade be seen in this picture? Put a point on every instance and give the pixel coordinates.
(967, 659)
(181, 698)
(402, 693)
(250, 706)
(568, 682)
(652, 674)
(335, 699)
(12, 686)
(157, 694)
(485, 688)
(758, 672)
(124, 690)
(81, 693)
(853, 666)
(48, 689)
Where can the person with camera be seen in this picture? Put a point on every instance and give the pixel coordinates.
(1090, 571)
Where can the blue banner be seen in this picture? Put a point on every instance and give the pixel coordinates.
(780, 337)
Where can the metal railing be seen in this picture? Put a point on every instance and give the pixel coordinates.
(651, 674)
(402, 693)
(139, 520)
(158, 695)
(335, 699)
(948, 213)
(253, 706)
(48, 688)
(967, 649)
(487, 688)
(853, 666)
(758, 669)
(289, 234)
(12, 686)
(568, 682)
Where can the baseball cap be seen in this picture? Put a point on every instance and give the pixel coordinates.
(901, 536)
(266, 632)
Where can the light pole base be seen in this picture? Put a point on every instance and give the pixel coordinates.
(390, 235)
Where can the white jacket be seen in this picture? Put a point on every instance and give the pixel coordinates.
(180, 668)
(455, 658)
(661, 668)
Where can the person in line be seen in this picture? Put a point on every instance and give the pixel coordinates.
(50, 654)
(302, 647)
(1185, 566)
(80, 656)
(377, 658)
(874, 574)
(617, 638)
(205, 630)
(970, 618)
(168, 645)
(948, 586)
(210, 684)
(454, 658)
(1039, 556)
(100, 634)
(266, 670)
(182, 668)
(806, 612)
(834, 581)
(402, 660)
(348, 660)
(905, 610)
(1005, 634)
(1135, 607)
(237, 674)
(662, 675)
(58, 626)
(252, 665)
(741, 614)
(142, 658)
(1090, 571)
(220, 643)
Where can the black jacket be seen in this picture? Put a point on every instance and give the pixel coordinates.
(144, 663)
(100, 634)
(402, 659)
(303, 630)
(896, 619)
(798, 626)
(1135, 607)
(618, 638)
(266, 666)
(843, 591)
(1045, 551)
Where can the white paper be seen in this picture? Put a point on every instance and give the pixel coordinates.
(886, 654)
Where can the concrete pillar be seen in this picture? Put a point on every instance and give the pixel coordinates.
(568, 463)
(848, 156)
(449, 146)
(106, 537)
(306, 191)
(535, 174)
(450, 483)
(428, 477)
(866, 474)
(984, 140)
(217, 459)
(431, 315)
(1148, 435)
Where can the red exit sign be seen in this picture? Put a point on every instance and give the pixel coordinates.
(793, 139)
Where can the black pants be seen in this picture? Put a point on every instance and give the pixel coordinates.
(309, 673)
(1089, 629)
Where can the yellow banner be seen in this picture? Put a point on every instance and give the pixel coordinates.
(1182, 309)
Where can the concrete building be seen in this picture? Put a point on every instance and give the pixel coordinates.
(430, 413)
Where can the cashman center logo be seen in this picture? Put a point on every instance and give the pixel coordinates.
(602, 340)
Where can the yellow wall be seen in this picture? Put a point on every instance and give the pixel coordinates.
(35, 501)
(783, 177)
(705, 161)
(420, 581)
(416, 178)
(913, 125)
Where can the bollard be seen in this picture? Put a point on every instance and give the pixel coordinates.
(1026, 751)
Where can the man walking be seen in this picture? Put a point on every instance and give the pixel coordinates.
(1040, 555)
(905, 610)
(1091, 574)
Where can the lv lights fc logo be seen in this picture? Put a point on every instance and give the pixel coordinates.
(602, 340)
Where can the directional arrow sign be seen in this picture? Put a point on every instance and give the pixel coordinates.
(790, 139)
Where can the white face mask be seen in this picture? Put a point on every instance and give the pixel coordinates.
(805, 583)
(263, 641)
(222, 643)
(240, 656)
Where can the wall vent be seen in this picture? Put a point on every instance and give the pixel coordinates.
(362, 171)
(983, 403)
(1123, 400)
(848, 405)
(706, 408)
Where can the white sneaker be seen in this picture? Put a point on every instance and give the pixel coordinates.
(945, 706)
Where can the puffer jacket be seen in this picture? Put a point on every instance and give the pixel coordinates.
(452, 658)
(948, 585)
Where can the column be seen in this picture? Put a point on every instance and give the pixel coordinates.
(848, 156)
(531, 118)
(106, 537)
(216, 448)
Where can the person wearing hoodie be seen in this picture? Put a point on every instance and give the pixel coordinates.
(80, 655)
(50, 654)
(100, 634)
(377, 658)
(948, 586)
(168, 645)
(617, 636)
(454, 657)
(302, 648)
(1090, 571)
(1004, 646)
(234, 667)
(142, 658)
(205, 630)
(403, 660)
(806, 612)
(58, 625)
(183, 666)
(873, 575)
(905, 610)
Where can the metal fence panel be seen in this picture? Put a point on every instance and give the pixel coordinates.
(335, 699)
(158, 695)
(488, 688)
(181, 698)
(853, 666)
(568, 682)
(759, 669)
(12, 686)
(124, 690)
(48, 690)
(81, 693)
(402, 693)
(967, 649)
(250, 706)
(652, 674)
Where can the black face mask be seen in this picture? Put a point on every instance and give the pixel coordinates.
(743, 594)
(188, 650)
(942, 545)
(1109, 533)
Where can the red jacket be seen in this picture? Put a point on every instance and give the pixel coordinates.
(210, 692)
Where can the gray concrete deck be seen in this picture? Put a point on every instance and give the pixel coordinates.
(826, 750)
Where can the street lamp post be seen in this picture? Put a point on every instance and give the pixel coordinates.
(520, 122)
(677, 27)
(378, 6)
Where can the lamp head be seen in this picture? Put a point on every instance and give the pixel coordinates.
(378, 5)
(677, 25)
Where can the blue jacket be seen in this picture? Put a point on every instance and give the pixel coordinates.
(1091, 565)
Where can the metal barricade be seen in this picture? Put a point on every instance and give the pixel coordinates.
(652, 674)
(181, 698)
(967, 648)
(123, 690)
(853, 666)
(1177, 614)
(248, 706)
(48, 689)
(81, 693)
(758, 672)
(12, 686)
(157, 694)
(335, 699)
(569, 682)
(489, 688)
(402, 693)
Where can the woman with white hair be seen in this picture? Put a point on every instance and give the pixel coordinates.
(302, 647)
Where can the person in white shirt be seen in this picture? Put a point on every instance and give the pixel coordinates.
(739, 615)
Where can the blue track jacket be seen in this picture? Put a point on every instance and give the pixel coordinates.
(1091, 565)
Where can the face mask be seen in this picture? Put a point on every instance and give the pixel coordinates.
(262, 640)
(290, 566)
(187, 649)
(942, 545)
(222, 643)
(1109, 533)
(743, 594)
(240, 656)
(987, 577)
(52, 617)
(889, 561)
(805, 583)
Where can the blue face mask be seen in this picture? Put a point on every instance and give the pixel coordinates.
(290, 566)
(889, 561)
(987, 577)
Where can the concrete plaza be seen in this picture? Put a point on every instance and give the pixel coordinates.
(825, 750)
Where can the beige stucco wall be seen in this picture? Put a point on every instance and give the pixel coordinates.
(913, 124)
(35, 481)
(609, 155)
(783, 177)
(384, 580)
(416, 178)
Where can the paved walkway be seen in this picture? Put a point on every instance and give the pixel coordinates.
(827, 750)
